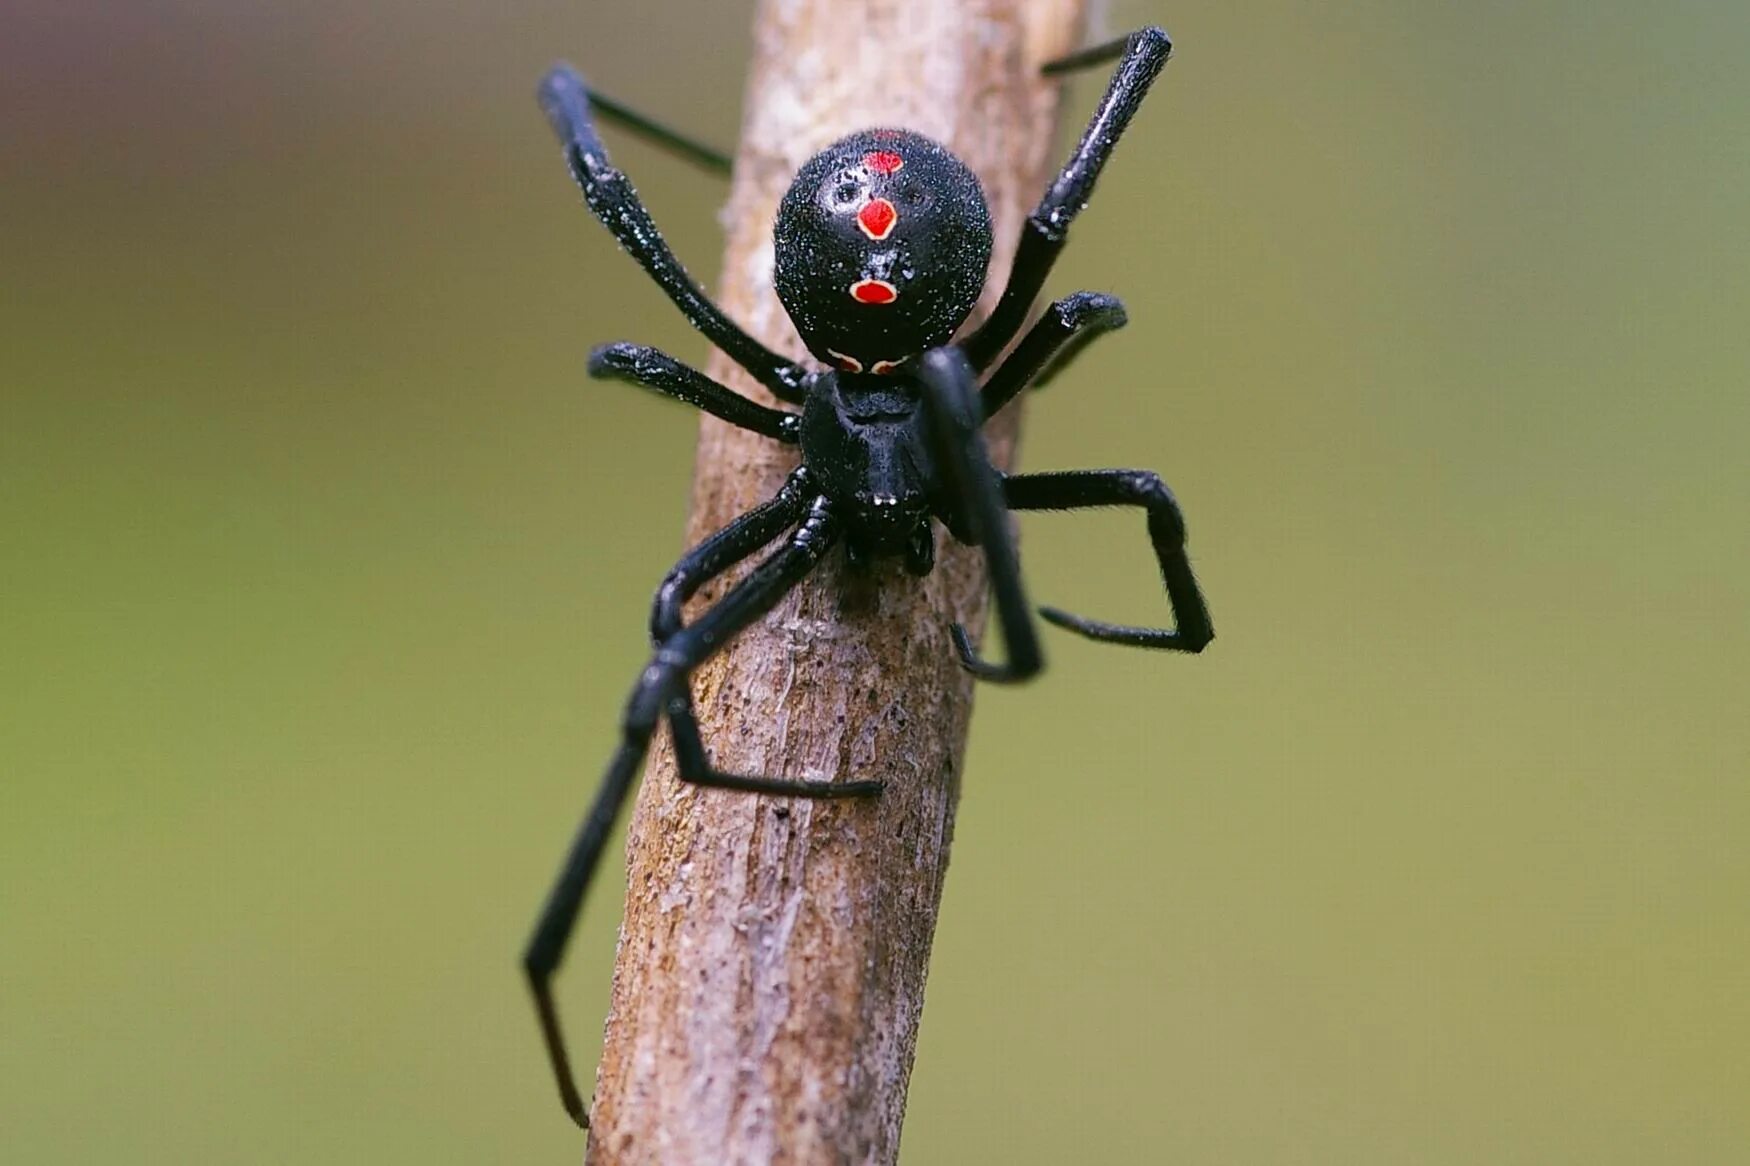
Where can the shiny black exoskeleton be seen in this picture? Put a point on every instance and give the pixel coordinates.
(881, 248)
(869, 452)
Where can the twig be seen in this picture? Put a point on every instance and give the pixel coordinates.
(772, 960)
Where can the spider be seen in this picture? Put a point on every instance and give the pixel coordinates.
(881, 248)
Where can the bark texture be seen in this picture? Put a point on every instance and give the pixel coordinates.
(772, 958)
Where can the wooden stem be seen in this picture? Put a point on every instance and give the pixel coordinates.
(771, 964)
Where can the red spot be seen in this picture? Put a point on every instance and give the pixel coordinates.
(847, 363)
(883, 368)
(883, 161)
(874, 291)
(877, 218)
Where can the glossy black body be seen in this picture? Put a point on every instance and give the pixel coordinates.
(867, 441)
(933, 252)
(881, 249)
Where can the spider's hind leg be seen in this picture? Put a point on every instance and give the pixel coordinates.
(566, 99)
(643, 365)
(691, 149)
(1055, 340)
(1086, 58)
(1143, 54)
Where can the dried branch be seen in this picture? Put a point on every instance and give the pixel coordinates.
(772, 960)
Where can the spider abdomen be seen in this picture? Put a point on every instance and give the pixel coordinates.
(880, 249)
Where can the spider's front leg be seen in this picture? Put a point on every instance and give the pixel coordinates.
(1144, 55)
(955, 412)
(662, 678)
(565, 98)
(698, 567)
(1078, 489)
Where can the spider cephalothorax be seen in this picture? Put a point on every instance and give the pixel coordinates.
(880, 251)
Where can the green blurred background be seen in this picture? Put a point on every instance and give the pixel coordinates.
(324, 571)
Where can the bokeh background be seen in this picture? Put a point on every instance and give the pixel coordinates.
(323, 572)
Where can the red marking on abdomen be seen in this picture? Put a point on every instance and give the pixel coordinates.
(877, 218)
(848, 363)
(883, 161)
(874, 291)
(882, 368)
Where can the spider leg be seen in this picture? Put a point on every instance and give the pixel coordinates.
(1145, 53)
(699, 566)
(1054, 340)
(706, 157)
(1086, 58)
(657, 370)
(722, 550)
(666, 674)
(1077, 489)
(565, 98)
(956, 413)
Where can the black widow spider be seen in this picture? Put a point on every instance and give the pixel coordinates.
(881, 247)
